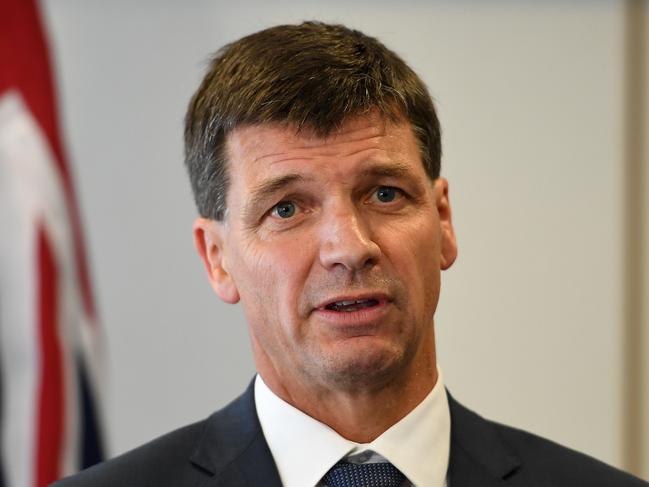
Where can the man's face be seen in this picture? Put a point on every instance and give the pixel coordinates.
(334, 247)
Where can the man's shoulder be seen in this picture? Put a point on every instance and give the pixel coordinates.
(549, 461)
(189, 455)
(165, 458)
(524, 458)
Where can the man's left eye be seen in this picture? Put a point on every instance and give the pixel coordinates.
(284, 209)
(385, 194)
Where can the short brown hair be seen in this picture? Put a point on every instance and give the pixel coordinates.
(312, 75)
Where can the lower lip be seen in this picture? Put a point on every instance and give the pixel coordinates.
(364, 317)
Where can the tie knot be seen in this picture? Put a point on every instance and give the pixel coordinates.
(345, 474)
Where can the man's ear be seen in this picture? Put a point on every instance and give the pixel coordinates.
(448, 244)
(209, 238)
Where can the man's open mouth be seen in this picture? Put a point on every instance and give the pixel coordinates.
(351, 305)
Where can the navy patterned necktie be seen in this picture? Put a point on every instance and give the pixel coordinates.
(345, 474)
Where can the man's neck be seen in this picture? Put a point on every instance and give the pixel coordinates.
(362, 414)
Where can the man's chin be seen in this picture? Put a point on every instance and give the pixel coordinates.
(366, 365)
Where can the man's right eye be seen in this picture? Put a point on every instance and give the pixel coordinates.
(284, 209)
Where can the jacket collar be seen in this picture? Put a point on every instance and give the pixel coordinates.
(478, 454)
(232, 447)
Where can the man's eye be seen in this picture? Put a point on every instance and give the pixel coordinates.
(385, 194)
(284, 209)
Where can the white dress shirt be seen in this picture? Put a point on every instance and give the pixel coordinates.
(304, 449)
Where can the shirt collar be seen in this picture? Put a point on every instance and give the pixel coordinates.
(304, 449)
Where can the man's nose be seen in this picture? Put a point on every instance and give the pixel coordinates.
(347, 242)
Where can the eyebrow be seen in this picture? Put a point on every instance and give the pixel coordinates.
(392, 170)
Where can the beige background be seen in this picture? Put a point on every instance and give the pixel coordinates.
(644, 469)
(531, 99)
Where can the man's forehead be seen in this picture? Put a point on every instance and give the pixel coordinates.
(268, 143)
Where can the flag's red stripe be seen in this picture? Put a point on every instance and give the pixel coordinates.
(49, 438)
(25, 67)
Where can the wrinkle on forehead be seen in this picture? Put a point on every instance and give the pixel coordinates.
(291, 145)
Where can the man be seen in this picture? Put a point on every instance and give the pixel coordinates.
(314, 157)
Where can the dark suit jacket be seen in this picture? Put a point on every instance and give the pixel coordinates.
(229, 449)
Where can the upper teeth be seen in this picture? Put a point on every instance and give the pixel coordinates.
(347, 303)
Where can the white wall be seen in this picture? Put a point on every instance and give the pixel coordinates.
(530, 96)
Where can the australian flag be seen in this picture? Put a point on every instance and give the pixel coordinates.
(50, 348)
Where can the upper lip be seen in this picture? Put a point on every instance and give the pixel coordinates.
(377, 296)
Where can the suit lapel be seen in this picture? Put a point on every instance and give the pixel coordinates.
(478, 455)
(232, 449)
